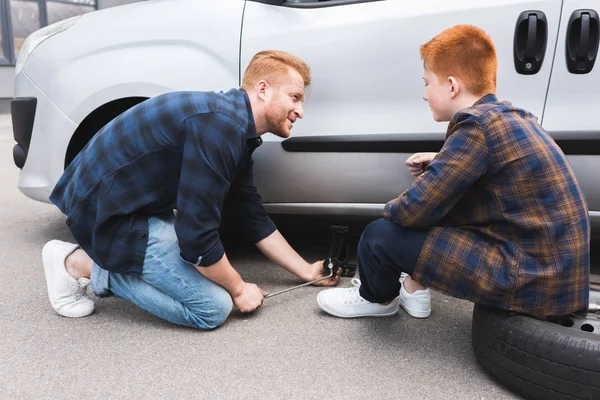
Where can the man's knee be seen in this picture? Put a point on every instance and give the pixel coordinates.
(220, 311)
(213, 313)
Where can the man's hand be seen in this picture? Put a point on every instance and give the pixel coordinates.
(418, 162)
(250, 298)
(316, 270)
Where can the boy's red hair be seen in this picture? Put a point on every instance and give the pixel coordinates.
(465, 52)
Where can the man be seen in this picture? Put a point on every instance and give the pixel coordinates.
(496, 217)
(188, 151)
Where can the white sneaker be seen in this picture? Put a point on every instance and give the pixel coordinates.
(347, 303)
(67, 295)
(417, 304)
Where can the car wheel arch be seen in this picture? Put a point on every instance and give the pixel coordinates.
(95, 121)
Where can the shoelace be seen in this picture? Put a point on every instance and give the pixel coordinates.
(81, 290)
(352, 296)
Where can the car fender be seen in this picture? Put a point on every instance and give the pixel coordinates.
(143, 49)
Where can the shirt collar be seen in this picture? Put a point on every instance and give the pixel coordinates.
(488, 98)
(252, 139)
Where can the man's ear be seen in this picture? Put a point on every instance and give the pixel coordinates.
(454, 86)
(262, 87)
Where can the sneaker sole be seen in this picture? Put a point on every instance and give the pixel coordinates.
(47, 262)
(80, 314)
(416, 313)
(335, 314)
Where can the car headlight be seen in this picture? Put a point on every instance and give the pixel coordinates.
(38, 37)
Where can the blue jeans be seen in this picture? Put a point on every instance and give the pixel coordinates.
(169, 287)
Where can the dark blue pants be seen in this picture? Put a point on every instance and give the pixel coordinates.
(385, 250)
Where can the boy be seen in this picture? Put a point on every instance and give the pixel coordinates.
(496, 217)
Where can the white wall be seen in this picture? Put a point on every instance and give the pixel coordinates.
(7, 73)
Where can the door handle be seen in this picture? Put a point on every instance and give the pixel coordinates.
(531, 38)
(582, 41)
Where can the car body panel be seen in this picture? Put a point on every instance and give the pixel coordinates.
(130, 58)
(52, 131)
(366, 81)
(572, 103)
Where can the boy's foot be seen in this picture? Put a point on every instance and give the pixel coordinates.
(67, 295)
(417, 304)
(347, 303)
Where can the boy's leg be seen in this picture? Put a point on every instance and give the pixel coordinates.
(385, 251)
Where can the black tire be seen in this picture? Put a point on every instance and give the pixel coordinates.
(539, 359)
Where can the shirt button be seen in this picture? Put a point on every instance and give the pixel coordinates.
(144, 235)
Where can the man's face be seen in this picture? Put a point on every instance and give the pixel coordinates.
(437, 94)
(284, 104)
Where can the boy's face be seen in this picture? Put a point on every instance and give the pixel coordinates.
(438, 95)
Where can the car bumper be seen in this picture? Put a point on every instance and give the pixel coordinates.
(42, 133)
(22, 110)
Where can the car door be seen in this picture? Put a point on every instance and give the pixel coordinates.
(572, 111)
(364, 114)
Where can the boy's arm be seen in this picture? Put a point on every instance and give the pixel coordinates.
(462, 161)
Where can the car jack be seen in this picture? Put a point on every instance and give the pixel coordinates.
(336, 260)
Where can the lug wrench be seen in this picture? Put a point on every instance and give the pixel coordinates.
(338, 254)
(330, 266)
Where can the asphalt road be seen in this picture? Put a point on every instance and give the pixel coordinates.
(288, 349)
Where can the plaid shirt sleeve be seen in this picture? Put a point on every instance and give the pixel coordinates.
(463, 159)
(213, 148)
(246, 206)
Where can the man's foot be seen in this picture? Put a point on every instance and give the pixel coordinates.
(347, 303)
(67, 295)
(417, 304)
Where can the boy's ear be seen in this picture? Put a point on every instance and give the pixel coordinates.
(454, 86)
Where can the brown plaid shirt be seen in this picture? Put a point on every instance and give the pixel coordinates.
(509, 223)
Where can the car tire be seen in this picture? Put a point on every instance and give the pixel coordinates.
(539, 359)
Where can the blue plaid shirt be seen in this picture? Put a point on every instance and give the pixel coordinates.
(185, 150)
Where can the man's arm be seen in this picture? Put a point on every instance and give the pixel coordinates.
(279, 251)
(211, 152)
(462, 161)
(246, 296)
(246, 207)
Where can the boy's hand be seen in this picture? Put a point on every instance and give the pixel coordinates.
(418, 162)
(317, 272)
